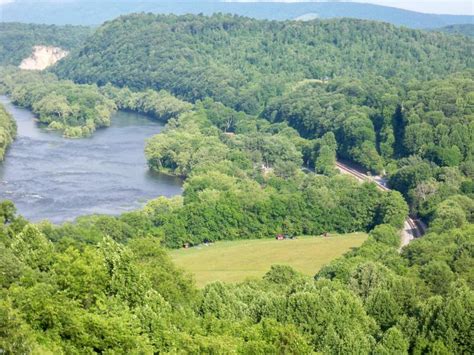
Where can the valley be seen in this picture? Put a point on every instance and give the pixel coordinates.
(221, 184)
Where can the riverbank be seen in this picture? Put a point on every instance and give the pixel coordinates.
(7, 131)
(51, 177)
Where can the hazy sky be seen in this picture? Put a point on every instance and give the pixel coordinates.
(461, 7)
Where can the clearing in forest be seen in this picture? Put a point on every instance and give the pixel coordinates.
(234, 261)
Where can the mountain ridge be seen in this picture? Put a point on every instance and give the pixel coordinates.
(94, 13)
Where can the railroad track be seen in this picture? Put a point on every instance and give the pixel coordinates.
(416, 233)
(416, 228)
(360, 175)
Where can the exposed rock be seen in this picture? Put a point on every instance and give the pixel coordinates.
(43, 57)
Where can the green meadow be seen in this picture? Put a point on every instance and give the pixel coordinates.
(234, 261)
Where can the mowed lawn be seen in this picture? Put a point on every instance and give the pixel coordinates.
(233, 261)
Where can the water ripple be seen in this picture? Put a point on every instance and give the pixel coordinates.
(49, 177)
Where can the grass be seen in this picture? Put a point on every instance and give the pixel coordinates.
(234, 261)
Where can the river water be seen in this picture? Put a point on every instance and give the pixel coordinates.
(50, 177)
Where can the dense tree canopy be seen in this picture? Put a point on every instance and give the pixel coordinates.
(243, 62)
(339, 76)
(463, 29)
(63, 293)
(249, 183)
(17, 39)
(7, 131)
(269, 98)
(76, 110)
(160, 105)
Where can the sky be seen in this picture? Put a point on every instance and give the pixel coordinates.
(457, 7)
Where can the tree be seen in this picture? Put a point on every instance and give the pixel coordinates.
(7, 212)
(325, 156)
(368, 277)
(448, 215)
(386, 234)
(382, 306)
(393, 210)
(347, 328)
(32, 248)
(393, 342)
(438, 276)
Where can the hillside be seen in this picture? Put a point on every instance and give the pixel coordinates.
(17, 39)
(43, 57)
(273, 107)
(96, 12)
(62, 294)
(243, 62)
(463, 29)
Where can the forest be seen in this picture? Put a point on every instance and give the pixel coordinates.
(257, 113)
(160, 105)
(464, 30)
(63, 293)
(376, 123)
(7, 131)
(78, 110)
(361, 81)
(249, 184)
(243, 62)
(17, 39)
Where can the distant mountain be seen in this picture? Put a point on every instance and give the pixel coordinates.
(465, 30)
(79, 12)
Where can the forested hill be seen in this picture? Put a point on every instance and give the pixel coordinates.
(243, 62)
(17, 39)
(465, 29)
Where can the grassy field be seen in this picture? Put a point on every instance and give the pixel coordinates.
(235, 261)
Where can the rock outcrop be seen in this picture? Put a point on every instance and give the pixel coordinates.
(43, 57)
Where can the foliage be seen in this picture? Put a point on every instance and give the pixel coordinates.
(160, 105)
(18, 39)
(460, 29)
(99, 295)
(243, 62)
(248, 184)
(7, 131)
(308, 91)
(76, 110)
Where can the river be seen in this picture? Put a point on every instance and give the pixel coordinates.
(50, 177)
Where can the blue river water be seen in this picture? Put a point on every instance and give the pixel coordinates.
(51, 177)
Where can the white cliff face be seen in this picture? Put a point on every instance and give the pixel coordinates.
(43, 57)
